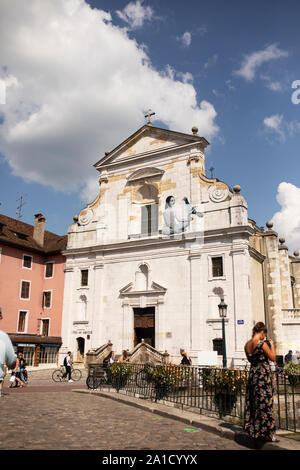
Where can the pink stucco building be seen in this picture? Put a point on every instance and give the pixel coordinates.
(31, 288)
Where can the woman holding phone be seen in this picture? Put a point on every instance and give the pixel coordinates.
(258, 416)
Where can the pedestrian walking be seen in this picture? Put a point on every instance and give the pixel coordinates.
(258, 414)
(20, 367)
(19, 380)
(7, 356)
(68, 363)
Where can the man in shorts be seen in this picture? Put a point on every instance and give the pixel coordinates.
(7, 356)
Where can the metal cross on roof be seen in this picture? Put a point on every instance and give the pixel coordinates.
(148, 115)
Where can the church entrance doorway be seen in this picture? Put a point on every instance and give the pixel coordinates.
(80, 349)
(144, 325)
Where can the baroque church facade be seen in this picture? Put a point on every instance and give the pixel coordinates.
(152, 256)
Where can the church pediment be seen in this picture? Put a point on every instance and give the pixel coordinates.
(155, 288)
(147, 140)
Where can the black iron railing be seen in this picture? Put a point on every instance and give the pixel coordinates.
(210, 390)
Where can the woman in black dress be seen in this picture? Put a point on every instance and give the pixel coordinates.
(258, 417)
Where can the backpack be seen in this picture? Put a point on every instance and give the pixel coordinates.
(65, 361)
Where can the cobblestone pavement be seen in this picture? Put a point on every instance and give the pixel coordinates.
(50, 416)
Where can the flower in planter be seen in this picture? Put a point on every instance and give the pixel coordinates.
(293, 372)
(120, 375)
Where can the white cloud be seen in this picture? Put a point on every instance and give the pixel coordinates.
(275, 123)
(254, 60)
(77, 86)
(271, 84)
(281, 127)
(274, 86)
(135, 14)
(287, 220)
(185, 39)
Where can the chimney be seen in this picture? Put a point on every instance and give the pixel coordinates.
(39, 229)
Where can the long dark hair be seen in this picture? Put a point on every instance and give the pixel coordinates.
(258, 327)
(108, 357)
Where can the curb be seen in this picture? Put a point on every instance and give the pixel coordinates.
(209, 424)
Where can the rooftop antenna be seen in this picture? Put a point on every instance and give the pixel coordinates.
(19, 207)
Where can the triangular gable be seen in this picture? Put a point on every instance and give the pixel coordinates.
(148, 139)
(155, 289)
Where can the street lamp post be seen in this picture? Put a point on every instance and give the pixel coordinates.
(223, 312)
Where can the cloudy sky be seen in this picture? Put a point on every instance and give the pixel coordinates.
(77, 76)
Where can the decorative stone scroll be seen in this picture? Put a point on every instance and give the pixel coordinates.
(85, 216)
(218, 193)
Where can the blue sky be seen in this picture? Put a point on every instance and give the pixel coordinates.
(240, 57)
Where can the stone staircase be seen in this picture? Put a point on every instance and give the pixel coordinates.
(142, 353)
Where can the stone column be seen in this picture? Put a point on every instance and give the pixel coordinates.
(98, 321)
(295, 271)
(285, 275)
(196, 167)
(160, 332)
(67, 313)
(195, 300)
(273, 287)
(128, 326)
(239, 314)
(238, 209)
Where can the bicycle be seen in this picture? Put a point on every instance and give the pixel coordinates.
(57, 375)
(101, 376)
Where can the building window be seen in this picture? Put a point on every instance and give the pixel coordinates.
(45, 327)
(47, 299)
(49, 269)
(149, 219)
(218, 346)
(25, 289)
(22, 322)
(48, 354)
(27, 261)
(84, 277)
(217, 266)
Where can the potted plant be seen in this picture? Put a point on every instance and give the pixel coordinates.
(119, 375)
(225, 384)
(164, 379)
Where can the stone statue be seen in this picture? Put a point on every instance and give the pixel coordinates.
(176, 219)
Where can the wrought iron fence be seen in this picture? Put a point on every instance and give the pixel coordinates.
(210, 390)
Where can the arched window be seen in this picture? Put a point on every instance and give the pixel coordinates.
(149, 210)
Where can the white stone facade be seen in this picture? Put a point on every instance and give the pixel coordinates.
(130, 267)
